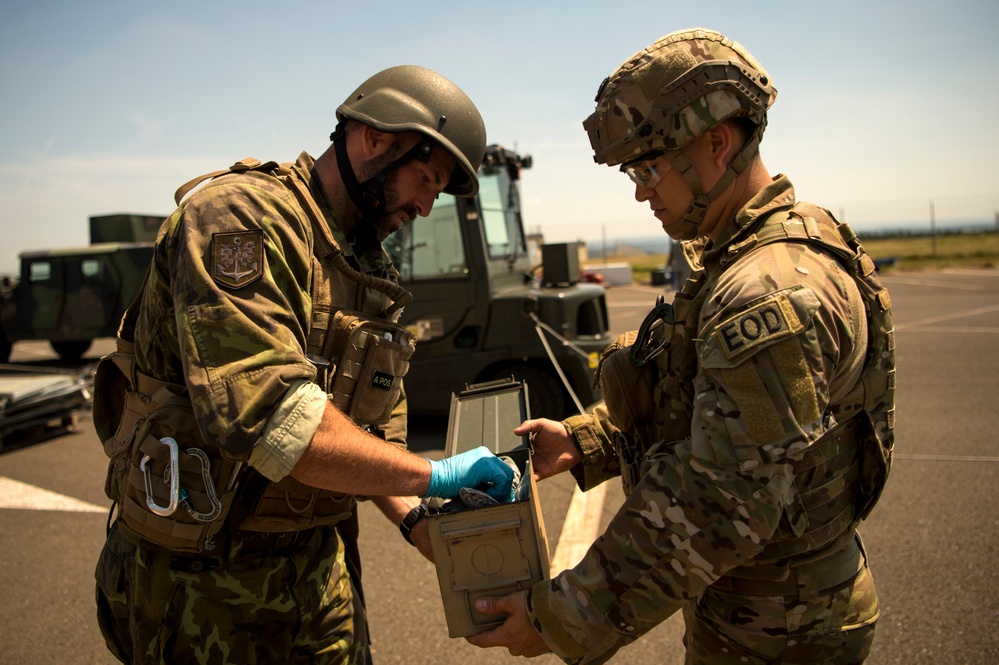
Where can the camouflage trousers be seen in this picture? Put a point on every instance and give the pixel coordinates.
(292, 605)
(834, 627)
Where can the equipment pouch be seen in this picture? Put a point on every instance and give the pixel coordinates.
(178, 490)
(110, 386)
(370, 358)
(875, 464)
(627, 389)
(118, 411)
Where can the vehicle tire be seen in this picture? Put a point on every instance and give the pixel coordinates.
(546, 394)
(5, 347)
(71, 349)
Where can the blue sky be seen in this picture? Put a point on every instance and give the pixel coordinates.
(107, 107)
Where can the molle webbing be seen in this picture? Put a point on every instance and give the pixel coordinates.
(805, 577)
(842, 475)
(150, 409)
(676, 367)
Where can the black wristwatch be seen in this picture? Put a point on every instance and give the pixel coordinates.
(410, 520)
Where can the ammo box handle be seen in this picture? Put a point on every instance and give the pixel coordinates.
(463, 531)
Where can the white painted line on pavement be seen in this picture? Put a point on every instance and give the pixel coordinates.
(971, 273)
(935, 285)
(945, 458)
(580, 528)
(947, 317)
(22, 496)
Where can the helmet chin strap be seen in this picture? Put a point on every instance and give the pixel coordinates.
(687, 228)
(369, 196)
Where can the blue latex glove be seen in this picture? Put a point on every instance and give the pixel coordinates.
(477, 468)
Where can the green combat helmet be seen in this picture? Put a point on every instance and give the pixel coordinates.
(411, 98)
(668, 94)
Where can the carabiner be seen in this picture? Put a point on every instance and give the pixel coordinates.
(642, 351)
(206, 478)
(172, 471)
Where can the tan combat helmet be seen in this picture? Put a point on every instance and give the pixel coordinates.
(671, 92)
(412, 98)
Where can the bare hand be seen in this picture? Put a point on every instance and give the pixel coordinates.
(554, 449)
(516, 633)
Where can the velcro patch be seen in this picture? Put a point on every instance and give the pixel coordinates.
(237, 258)
(767, 322)
(382, 380)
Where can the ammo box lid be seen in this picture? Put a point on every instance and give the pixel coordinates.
(485, 414)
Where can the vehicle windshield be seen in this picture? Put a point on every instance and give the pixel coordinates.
(501, 215)
(429, 247)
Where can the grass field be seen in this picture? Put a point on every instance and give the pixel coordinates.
(898, 253)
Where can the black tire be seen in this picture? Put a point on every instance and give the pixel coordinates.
(5, 347)
(547, 397)
(71, 349)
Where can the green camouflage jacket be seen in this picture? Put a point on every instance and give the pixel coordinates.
(227, 307)
(708, 503)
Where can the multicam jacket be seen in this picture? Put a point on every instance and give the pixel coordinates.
(781, 340)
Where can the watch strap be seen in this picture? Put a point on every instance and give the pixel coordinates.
(410, 520)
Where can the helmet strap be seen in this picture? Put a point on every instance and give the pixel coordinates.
(369, 195)
(687, 227)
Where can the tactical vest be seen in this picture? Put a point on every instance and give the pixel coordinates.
(177, 491)
(862, 440)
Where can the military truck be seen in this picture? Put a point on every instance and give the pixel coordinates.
(72, 296)
(484, 310)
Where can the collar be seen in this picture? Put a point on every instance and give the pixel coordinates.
(775, 196)
(305, 169)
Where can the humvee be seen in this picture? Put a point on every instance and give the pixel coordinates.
(72, 296)
(484, 310)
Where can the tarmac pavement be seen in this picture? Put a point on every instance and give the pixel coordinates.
(932, 540)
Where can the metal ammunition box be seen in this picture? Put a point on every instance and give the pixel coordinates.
(492, 550)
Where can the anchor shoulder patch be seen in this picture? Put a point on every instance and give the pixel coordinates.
(237, 258)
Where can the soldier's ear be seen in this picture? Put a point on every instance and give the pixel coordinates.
(374, 141)
(722, 142)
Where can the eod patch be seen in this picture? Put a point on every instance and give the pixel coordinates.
(237, 257)
(761, 324)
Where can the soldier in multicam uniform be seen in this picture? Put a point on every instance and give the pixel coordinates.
(257, 388)
(750, 421)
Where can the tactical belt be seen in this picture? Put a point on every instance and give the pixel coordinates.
(805, 580)
(240, 541)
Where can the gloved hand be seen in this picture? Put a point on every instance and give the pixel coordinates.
(477, 468)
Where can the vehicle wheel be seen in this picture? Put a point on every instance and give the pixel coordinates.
(71, 349)
(546, 395)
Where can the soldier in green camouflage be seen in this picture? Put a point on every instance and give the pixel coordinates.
(257, 388)
(750, 421)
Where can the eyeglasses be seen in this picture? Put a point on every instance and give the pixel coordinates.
(648, 170)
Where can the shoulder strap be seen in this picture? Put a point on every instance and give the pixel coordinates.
(248, 164)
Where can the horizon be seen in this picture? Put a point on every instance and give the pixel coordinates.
(108, 107)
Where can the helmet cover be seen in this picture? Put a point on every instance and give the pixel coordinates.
(671, 92)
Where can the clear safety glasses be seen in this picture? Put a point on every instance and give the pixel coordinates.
(647, 170)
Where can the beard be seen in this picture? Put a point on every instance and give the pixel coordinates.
(380, 227)
(385, 225)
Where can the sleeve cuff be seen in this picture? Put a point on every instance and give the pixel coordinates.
(600, 461)
(289, 430)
